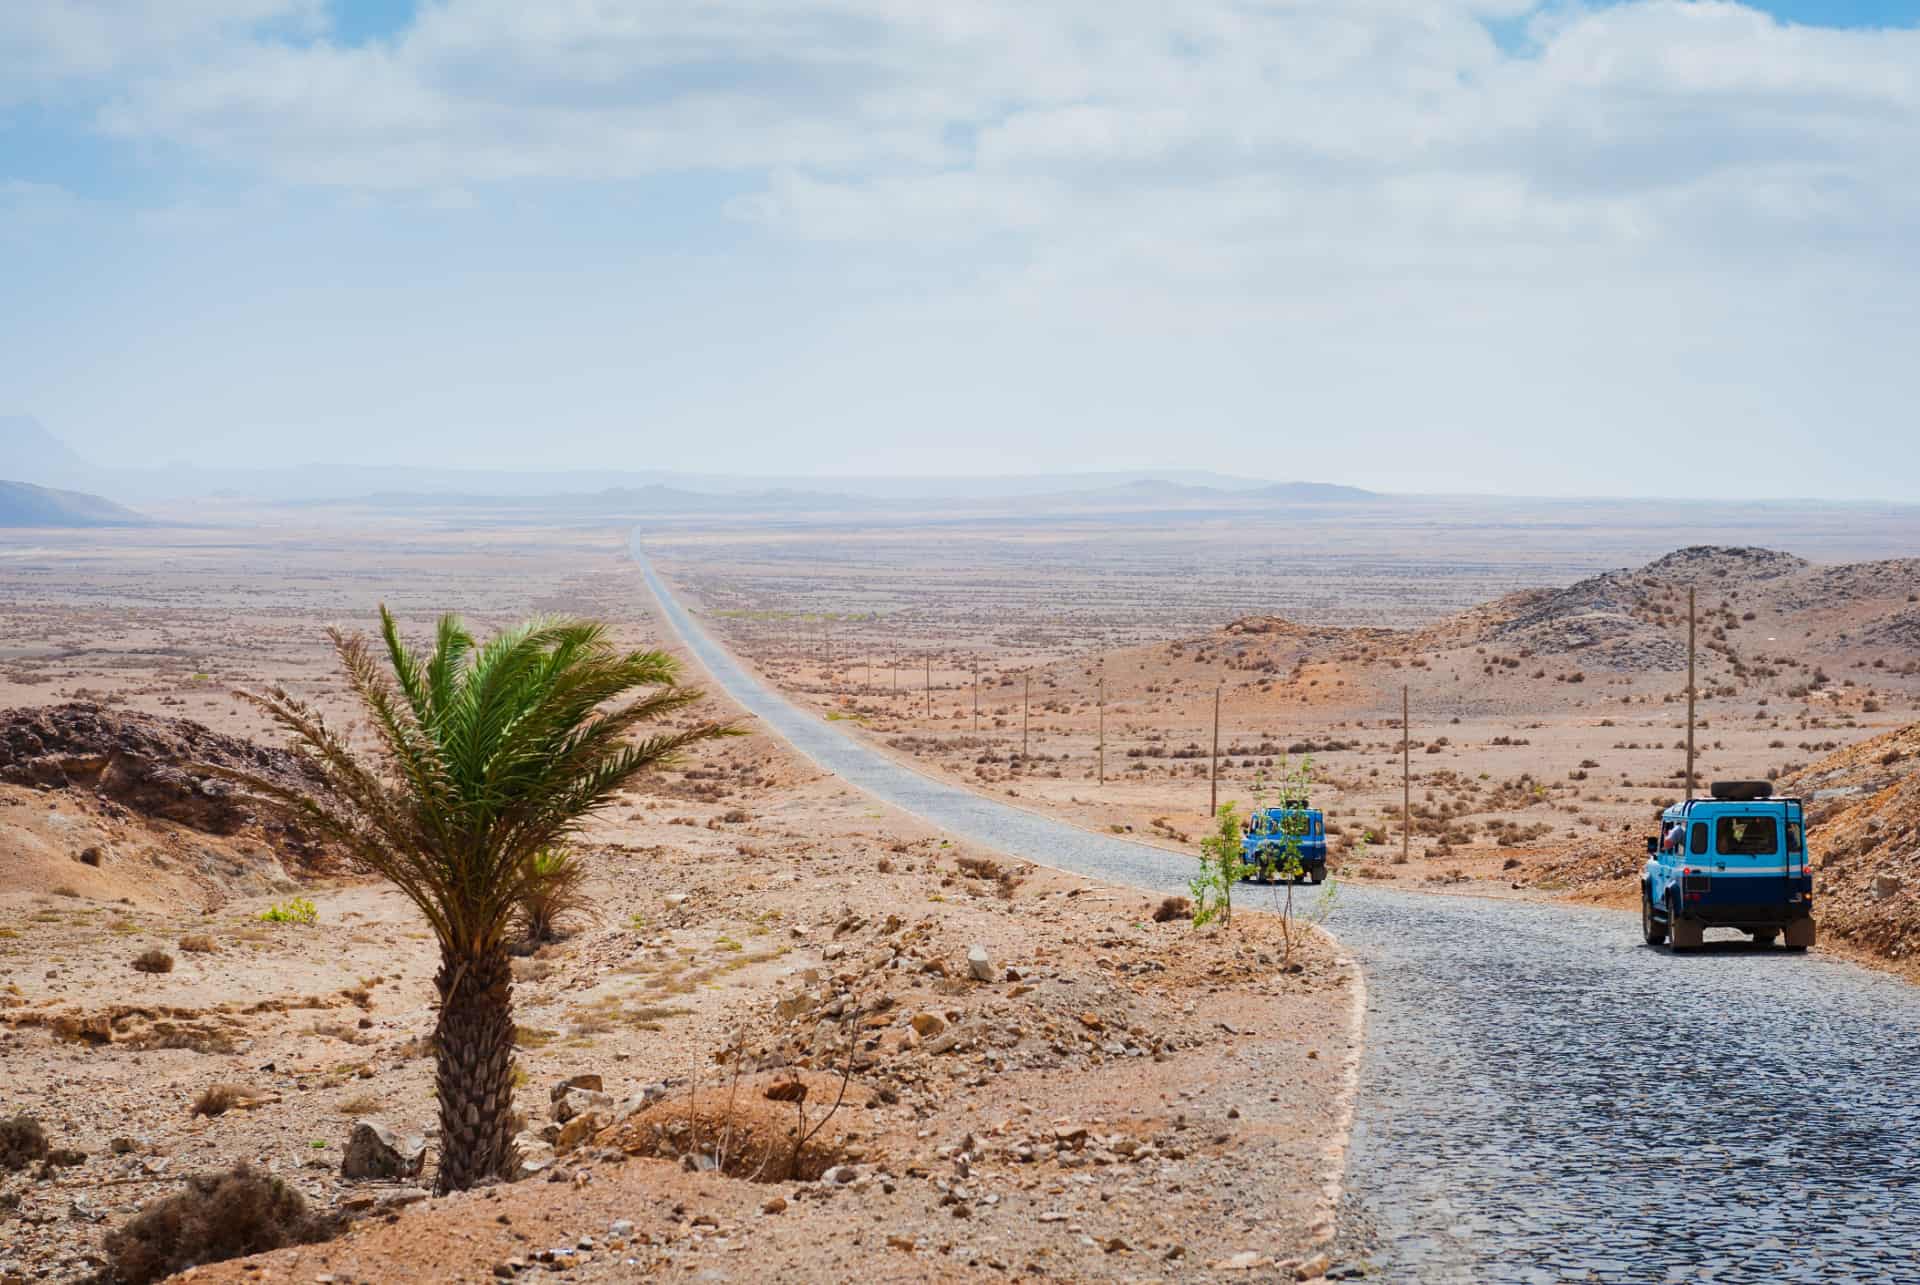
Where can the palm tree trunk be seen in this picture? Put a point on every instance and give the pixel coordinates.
(474, 1068)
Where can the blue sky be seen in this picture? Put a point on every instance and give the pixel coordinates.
(1413, 244)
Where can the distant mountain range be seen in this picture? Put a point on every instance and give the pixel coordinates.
(23, 504)
(30, 452)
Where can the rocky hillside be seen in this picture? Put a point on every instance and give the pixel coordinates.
(1763, 615)
(115, 803)
(1864, 823)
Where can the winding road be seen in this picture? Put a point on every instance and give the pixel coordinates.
(1544, 1098)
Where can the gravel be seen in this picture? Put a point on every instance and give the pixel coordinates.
(1545, 1098)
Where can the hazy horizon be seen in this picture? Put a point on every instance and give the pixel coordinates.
(1635, 249)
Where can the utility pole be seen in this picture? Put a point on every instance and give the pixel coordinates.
(1102, 746)
(1406, 781)
(1026, 702)
(1213, 761)
(1690, 619)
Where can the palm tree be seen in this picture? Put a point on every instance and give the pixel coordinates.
(485, 755)
(556, 892)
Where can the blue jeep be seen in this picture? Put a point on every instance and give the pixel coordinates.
(1269, 831)
(1736, 860)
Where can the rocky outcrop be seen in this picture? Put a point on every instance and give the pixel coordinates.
(150, 765)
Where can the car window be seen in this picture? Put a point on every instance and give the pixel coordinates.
(1746, 836)
(1793, 836)
(1700, 837)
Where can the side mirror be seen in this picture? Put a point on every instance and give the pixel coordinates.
(1653, 847)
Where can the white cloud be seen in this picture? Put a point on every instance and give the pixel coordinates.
(47, 46)
(1358, 208)
(907, 121)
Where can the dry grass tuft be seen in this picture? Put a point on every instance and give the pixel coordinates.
(153, 961)
(22, 1142)
(218, 1099)
(217, 1217)
(1172, 908)
(199, 944)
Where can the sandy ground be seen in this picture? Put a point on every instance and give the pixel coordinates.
(1120, 1097)
(1520, 758)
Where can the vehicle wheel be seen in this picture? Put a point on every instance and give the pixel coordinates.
(1800, 934)
(1316, 873)
(1683, 934)
(1652, 929)
(1765, 936)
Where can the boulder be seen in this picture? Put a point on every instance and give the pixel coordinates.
(578, 1130)
(559, 1090)
(375, 1151)
(980, 963)
(579, 1101)
(640, 1101)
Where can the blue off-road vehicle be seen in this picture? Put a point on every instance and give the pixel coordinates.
(1270, 831)
(1736, 860)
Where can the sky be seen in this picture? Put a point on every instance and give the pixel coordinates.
(1632, 248)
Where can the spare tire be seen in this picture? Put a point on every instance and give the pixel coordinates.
(1742, 791)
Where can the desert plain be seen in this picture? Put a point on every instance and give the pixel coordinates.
(766, 1048)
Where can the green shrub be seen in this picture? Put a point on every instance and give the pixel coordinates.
(297, 911)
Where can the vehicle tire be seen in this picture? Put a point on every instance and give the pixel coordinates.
(1683, 934)
(1651, 929)
(1800, 934)
(1316, 873)
(1765, 936)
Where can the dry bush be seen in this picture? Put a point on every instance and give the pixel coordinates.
(532, 970)
(784, 1126)
(153, 961)
(218, 1099)
(22, 1142)
(218, 1216)
(198, 944)
(361, 1104)
(978, 867)
(1172, 908)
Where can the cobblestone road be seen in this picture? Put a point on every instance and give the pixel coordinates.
(1545, 1098)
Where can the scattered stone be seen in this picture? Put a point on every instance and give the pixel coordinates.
(578, 1130)
(980, 963)
(579, 1100)
(375, 1151)
(590, 1082)
(927, 1025)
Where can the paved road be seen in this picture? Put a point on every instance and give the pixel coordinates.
(1545, 1098)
